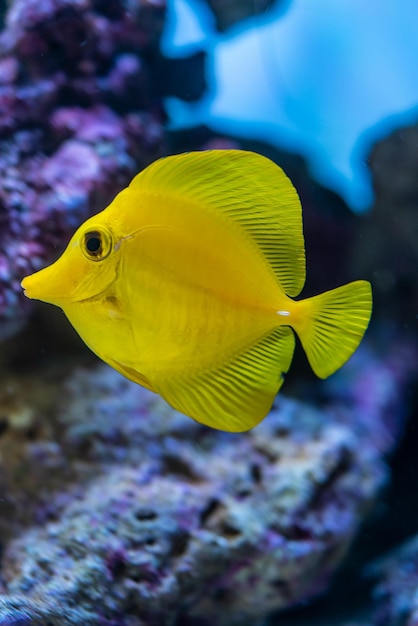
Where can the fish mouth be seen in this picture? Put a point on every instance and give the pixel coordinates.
(26, 286)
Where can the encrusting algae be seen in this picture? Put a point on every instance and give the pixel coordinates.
(185, 285)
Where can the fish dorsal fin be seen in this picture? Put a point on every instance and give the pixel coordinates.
(245, 188)
(237, 394)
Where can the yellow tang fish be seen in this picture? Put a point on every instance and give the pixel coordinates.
(185, 285)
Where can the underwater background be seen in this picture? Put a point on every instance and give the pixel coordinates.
(114, 509)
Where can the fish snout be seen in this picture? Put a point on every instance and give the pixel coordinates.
(27, 286)
(45, 285)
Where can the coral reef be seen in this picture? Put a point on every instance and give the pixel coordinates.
(396, 594)
(78, 118)
(118, 510)
(114, 509)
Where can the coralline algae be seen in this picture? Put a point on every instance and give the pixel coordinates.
(395, 595)
(77, 120)
(119, 511)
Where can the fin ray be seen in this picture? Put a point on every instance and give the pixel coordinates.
(238, 394)
(334, 324)
(245, 188)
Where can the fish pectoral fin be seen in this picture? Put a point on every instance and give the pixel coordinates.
(238, 394)
(132, 374)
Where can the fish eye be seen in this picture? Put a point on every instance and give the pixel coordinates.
(97, 245)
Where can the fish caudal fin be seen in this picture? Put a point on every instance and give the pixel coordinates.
(333, 324)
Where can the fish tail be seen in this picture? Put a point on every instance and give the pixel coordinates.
(332, 324)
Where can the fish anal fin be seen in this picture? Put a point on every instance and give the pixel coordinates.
(238, 394)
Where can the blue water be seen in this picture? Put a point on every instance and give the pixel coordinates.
(322, 79)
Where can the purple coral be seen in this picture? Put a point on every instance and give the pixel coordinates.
(77, 120)
(396, 594)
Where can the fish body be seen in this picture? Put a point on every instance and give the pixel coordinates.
(185, 284)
